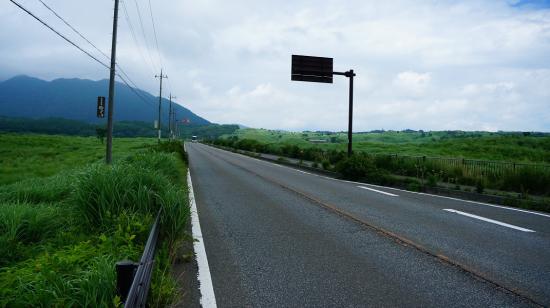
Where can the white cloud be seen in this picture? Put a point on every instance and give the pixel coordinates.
(412, 82)
(419, 64)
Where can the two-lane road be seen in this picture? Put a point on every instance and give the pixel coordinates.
(276, 236)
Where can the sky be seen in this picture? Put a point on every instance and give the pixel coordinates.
(431, 65)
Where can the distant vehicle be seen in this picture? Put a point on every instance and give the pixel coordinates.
(194, 138)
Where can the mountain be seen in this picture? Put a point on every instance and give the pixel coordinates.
(76, 99)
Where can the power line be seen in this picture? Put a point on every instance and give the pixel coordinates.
(156, 41)
(76, 31)
(89, 42)
(59, 34)
(143, 32)
(135, 92)
(138, 46)
(155, 33)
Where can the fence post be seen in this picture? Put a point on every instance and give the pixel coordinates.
(125, 271)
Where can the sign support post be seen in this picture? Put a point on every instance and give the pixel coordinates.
(319, 69)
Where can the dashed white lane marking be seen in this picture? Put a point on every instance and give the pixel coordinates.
(443, 197)
(208, 298)
(378, 191)
(408, 191)
(302, 171)
(489, 220)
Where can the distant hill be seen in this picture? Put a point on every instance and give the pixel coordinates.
(75, 99)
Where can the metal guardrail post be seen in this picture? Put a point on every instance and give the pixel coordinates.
(125, 271)
(139, 285)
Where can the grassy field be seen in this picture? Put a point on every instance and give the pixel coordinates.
(471, 145)
(63, 228)
(29, 156)
(508, 162)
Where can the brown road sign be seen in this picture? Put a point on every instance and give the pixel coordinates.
(313, 69)
(101, 106)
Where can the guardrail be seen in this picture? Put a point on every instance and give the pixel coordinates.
(134, 279)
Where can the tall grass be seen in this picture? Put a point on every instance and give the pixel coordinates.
(143, 183)
(23, 224)
(61, 236)
(38, 190)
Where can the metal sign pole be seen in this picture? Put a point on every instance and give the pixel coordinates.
(350, 75)
(319, 69)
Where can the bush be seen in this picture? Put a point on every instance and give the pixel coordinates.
(355, 167)
(527, 179)
(171, 146)
(432, 180)
(139, 185)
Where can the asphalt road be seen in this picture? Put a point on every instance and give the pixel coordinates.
(279, 237)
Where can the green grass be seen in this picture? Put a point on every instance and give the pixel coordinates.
(512, 147)
(60, 235)
(450, 157)
(29, 156)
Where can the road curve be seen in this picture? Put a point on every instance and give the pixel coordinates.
(275, 236)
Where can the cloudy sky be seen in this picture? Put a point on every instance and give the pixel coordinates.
(432, 65)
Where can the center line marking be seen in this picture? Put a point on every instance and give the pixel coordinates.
(489, 220)
(378, 191)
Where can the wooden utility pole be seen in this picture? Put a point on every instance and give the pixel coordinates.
(160, 100)
(111, 102)
(170, 116)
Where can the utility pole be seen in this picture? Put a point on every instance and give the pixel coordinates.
(111, 103)
(160, 99)
(170, 121)
(177, 126)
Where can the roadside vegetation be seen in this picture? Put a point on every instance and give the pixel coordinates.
(62, 232)
(516, 162)
(496, 146)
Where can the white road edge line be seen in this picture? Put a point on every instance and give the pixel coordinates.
(378, 191)
(208, 298)
(489, 220)
(406, 191)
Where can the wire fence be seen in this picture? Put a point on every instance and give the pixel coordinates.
(457, 166)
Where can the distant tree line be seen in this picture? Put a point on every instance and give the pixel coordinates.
(61, 126)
